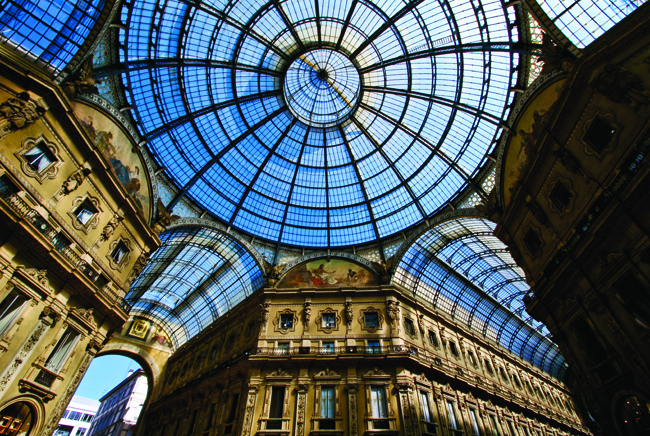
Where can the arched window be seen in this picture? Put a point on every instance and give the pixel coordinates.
(17, 419)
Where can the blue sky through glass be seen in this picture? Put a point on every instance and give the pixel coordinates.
(103, 374)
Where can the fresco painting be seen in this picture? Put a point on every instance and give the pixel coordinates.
(118, 149)
(323, 273)
(529, 128)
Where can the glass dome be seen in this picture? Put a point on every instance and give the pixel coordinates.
(326, 123)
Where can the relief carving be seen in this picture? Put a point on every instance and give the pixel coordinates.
(22, 355)
(18, 112)
(74, 181)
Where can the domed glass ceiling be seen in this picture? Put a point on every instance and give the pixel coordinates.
(323, 122)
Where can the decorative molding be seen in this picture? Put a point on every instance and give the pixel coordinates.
(279, 374)
(85, 316)
(568, 185)
(380, 320)
(610, 119)
(327, 374)
(93, 222)
(51, 170)
(21, 357)
(376, 373)
(278, 318)
(127, 256)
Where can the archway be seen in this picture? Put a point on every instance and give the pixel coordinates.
(17, 419)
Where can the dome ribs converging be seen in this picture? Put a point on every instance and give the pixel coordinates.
(322, 123)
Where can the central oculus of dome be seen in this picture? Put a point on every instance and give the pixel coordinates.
(321, 88)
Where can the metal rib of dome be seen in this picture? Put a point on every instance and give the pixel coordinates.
(461, 268)
(211, 79)
(193, 278)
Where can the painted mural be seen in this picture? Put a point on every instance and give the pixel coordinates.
(323, 273)
(118, 149)
(529, 128)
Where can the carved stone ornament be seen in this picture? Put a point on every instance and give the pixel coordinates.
(163, 218)
(273, 272)
(306, 313)
(421, 324)
(568, 186)
(283, 328)
(349, 312)
(82, 82)
(423, 380)
(321, 321)
(50, 313)
(371, 328)
(279, 374)
(109, 228)
(264, 314)
(533, 255)
(139, 264)
(48, 172)
(606, 260)
(74, 180)
(327, 374)
(376, 373)
(93, 222)
(18, 112)
(39, 276)
(119, 266)
(85, 316)
(620, 86)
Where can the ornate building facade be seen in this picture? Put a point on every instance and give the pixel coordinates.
(338, 217)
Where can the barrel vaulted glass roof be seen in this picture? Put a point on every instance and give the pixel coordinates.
(196, 276)
(463, 270)
(48, 32)
(583, 21)
(324, 122)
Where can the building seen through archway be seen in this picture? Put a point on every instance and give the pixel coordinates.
(329, 217)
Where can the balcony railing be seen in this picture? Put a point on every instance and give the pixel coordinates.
(45, 378)
(273, 425)
(355, 349)
(381, 425)
(60, 242)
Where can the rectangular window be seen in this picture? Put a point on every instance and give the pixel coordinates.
(286, 320)
(10, 308)
(474, 417)
(512, 428)
(379, 407)
(371, 319)
(232, 413)
(453, 348)
(532, 241)
(488, 366)
(329, 321)
(424, 403)
(119, 252)
(85, 211)
(276, 408)
(39, 157)
(283, 348)
(452, 415)
(472, 359)
(61, 350)
(410, 329)
(75, 416)
(495, 427)
(81, 431)
(433, 339)
(208, 422)
(327, 404)
(561, 196)
(599, 135)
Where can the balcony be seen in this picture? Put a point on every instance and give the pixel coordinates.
(429, 428)
(326, 426)
(333, 351)
(381, 426)
(273, 426)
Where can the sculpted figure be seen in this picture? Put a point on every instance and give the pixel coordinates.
(164, 218)
(82, 82)
(75, 180)
(349, 312)
(109, 228)
(18, 112)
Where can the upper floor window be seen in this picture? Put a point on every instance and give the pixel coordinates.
(283, 348)
(119, 252)
(329, 320)
(470, 356)
(410, 328)
(371, 319)
(453, 421)
(453, 348)
(328, 347)
(374, 347)
(232, 414)
(40, 157)
(62, 349)
(327, 408)
(286, 320)
(433, 339)
(561, 196)
(532, 241)
(473, 416)
(488, 365)
(10, 308)
(85, 211)
(504, 375)
(495, 426)
(379, 407)
(600, 134)
(276, 408)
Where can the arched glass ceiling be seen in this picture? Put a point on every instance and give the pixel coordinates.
(583, 21)
(461, 268)
(49, 32)
(193, 278)
(400, 105)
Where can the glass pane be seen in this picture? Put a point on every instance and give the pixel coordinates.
(60, 352)
(452, 415)
(424, 401)
(10, 308)
(378, 399)
(327, 402)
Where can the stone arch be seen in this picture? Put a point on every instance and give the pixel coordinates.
(149, 365)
